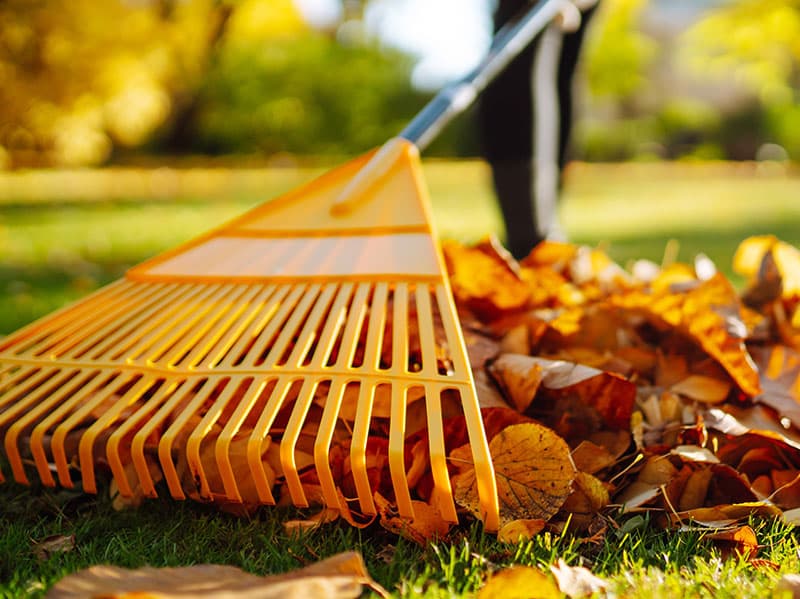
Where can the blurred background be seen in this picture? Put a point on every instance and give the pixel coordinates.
(127, 126)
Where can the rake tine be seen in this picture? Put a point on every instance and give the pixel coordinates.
(32, 402)
(115, 440)
(222, 447)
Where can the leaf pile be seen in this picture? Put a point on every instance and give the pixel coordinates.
(655, 388)
(674, 393)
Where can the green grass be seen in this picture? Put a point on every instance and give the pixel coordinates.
(64, 234)
(61, 236)
(638, 559)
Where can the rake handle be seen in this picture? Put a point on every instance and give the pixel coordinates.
(456, 97)
(451, 101)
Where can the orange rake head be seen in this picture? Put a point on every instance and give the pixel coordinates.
(291, 349)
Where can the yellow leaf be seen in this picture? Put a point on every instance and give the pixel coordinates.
(534, 473)
(520, 530)
(520, 582)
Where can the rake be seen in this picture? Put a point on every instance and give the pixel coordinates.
(310, 318)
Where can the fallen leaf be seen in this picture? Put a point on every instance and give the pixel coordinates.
(695, 490)
(741, 540)
(519, 378)
(779, 367)
(45, 548)
(695, 454)
(517, 340)
(484, 282)
(520, 530)
(727, 514)
(588, 497)
(312, 522)
(750, 255)
(519, 582)
(703, 388)
(343, 575)
(591, 458)
(611, 395)
(788, 586)
(533, 468)
(708, 313)
(426, 526)
(577, 581)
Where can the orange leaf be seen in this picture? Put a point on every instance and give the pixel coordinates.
(742, 540)
(483, 282)
(709, 313)
(591, 458)
(426, 526)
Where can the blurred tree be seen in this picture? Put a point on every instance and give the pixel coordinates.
(79, 77)
(305, 95)
(618, 54)
(757, 43)
(618, 59)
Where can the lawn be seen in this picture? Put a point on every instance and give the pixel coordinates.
(64, 234)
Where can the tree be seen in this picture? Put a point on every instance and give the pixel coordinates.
(757, 43)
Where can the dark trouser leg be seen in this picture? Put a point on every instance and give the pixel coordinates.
(506, 122)
(514, 185)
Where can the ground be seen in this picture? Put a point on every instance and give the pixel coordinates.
(64, 234)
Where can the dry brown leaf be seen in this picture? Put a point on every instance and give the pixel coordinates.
(591, 458)
(343, 575)
(609, 394)
(426, 526)
(780, 380)
(313, 522)
(703, 388)
(517, 340)
(520, 582)
(577, 581)
(724, 515)
(519, 377)
(520, 530)
(656, 472)
(588, 497)
(44, 548)
(533, 468)
(695, 490)
(788, 586)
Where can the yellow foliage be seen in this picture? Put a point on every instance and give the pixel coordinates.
(261, 19)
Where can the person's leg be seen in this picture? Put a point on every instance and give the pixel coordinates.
(527, 190)
(505, 119)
